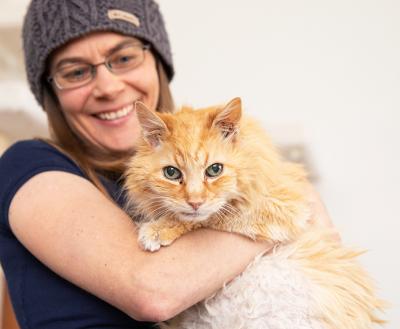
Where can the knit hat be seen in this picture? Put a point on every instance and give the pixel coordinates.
(50, 24)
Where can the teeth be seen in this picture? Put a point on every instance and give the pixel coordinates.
(117, 114)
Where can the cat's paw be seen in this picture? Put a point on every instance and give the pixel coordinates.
(150, 238)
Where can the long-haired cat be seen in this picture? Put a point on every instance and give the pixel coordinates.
(214, 168)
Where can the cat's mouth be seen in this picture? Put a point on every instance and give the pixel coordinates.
(193, 216)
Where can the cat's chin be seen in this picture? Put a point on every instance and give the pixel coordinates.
(193, 216)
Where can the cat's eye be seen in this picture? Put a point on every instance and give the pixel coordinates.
(172, 173)
(214, 170)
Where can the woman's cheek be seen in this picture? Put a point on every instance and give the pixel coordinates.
(73, 100)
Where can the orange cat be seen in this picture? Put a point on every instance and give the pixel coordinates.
(214, 168)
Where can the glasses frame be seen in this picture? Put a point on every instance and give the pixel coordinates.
(93, 67)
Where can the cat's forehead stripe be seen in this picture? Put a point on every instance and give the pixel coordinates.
(188, 135)
(192, 156)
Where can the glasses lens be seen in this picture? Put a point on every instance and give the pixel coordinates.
(126, 58)
(73, 75)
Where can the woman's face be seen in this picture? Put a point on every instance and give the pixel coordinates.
(103, 110)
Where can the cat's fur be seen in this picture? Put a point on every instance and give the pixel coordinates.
(309, 281)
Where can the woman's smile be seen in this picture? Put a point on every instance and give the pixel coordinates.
(116, 114)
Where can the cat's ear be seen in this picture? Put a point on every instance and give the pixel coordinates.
(154, 129)
(228, 118)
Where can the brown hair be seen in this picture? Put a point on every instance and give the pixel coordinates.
(90, 159)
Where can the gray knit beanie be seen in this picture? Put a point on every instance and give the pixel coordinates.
(50, 24)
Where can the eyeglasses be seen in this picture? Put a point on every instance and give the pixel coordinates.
(78, 74)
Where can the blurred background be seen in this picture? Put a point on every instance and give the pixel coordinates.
(322, 76)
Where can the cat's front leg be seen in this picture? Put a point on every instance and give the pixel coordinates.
(161, 232)
(254, 225)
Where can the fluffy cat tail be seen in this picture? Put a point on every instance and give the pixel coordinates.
(343, 294)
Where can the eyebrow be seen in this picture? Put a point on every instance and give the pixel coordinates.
(118, 46)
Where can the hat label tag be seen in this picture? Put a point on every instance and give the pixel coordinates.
(116, 14)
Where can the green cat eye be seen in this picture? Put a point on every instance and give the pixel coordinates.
(172, 173)
(214, 170)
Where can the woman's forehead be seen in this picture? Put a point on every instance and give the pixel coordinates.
(93, 44)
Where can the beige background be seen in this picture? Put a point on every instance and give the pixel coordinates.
(321, 74)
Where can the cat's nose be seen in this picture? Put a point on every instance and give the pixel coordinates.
(195, 205)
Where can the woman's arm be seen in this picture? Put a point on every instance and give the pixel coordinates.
(76, 231)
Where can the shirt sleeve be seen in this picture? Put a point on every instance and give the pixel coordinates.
(21, 162)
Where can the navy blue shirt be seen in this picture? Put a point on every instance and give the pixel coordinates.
(41, 298)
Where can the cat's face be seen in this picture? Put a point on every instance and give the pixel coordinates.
(192, 182)
(187, 164)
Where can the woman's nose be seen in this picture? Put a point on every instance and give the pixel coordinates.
(107, 85)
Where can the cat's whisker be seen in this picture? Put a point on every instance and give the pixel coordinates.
(151, 202)
(219, 216)
(150, 213)
(161, 211)
(156, 213)
(230, 210)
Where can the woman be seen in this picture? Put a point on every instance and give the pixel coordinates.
(69, 253)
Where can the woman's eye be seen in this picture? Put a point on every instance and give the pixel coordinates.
(172, 173)
(124, 60)
(77, 73)
(214, 170)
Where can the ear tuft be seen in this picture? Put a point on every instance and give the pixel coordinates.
(228, 118)
(154, 129)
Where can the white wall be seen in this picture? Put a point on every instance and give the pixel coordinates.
(330, 69)
(325, 72)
